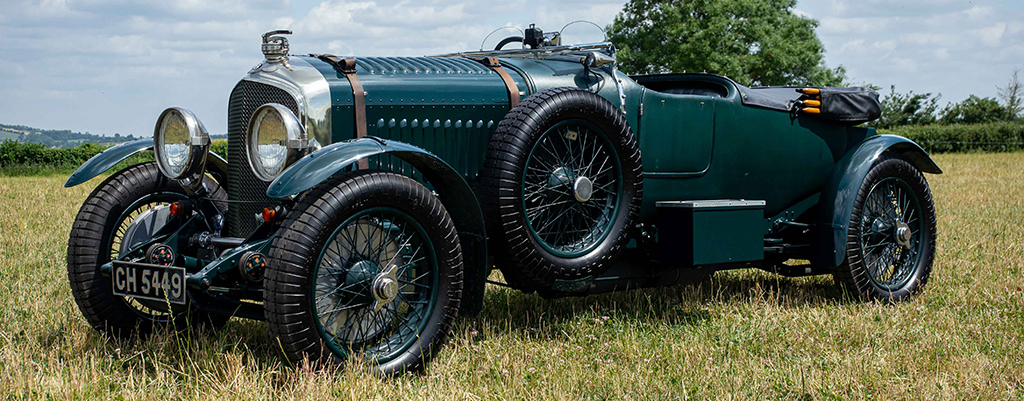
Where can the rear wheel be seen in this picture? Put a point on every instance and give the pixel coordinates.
(891, 239)
(369, 266)
(117, 215)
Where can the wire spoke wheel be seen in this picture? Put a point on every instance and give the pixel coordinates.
(571, 188)
(367, 266)
(375, 283)
(890, 233)
(117, 247)
(890, 242)
(126, 212)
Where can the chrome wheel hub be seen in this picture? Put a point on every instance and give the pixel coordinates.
(570, 189)
(583, 188)
(903, 234)
(385, 287)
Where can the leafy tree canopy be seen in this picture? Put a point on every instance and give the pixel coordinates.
(906, 109)
(975, 110)
(755, 42)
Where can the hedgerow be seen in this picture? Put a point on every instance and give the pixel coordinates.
(17, 158)
(960, 138)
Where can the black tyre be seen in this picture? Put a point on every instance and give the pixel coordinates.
(368, 265)
(891, 240)
(95, 239)
(561, 187)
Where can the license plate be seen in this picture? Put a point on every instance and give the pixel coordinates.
(146, 281)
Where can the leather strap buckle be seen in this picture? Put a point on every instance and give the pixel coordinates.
(347, 67)
(510, 84)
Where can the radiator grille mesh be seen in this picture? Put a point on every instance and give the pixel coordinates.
(242, 183)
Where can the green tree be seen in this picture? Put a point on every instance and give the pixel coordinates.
(906, 109)
(974, 110)
(755, 42)
(1011, 95)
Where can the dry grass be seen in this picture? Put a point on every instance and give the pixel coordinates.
(742, 335)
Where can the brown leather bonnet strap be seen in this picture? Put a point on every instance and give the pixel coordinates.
(510, 85)
(347, 67)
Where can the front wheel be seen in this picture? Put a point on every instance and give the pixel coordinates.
(891, 239)
(112, 220)
(367, 266)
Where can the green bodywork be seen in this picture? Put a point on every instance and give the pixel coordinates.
(693, 147)
(432, 118)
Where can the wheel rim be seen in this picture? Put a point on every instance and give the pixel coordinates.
(375, 285)
(891, 233)
(151, 310)
(571, 188)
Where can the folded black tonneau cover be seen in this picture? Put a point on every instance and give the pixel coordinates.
(852, 106)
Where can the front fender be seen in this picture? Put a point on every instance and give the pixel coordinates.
(452, 189)
(840, 193)
(108, 158)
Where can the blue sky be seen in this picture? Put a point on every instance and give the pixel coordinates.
(112, 66)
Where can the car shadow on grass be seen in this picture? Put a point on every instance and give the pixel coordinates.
(679, 305)
(511, 312)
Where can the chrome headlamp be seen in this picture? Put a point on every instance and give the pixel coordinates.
(276, 140)
(181, 144)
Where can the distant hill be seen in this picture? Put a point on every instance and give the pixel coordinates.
(64, 139)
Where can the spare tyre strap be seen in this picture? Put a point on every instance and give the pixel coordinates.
(347, 67)
(510, 85)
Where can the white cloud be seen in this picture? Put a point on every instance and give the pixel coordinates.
(837, 6)
(112, 65)
(832, 25)
(1014, 52)
(930, 38)
(904, 64)
(991, 35)
(874, 49)
(331, 16)
(53, 94)
(979, 13)
(940, 46)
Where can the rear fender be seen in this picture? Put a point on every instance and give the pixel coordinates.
(453, 191)
(840, 193)
(108, 158)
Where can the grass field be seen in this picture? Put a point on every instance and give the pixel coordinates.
(742, 335)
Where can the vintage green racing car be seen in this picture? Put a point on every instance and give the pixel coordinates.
(363, 201)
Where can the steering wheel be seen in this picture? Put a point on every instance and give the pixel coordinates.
(508, 40)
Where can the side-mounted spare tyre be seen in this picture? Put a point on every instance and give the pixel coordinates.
(561, 188)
